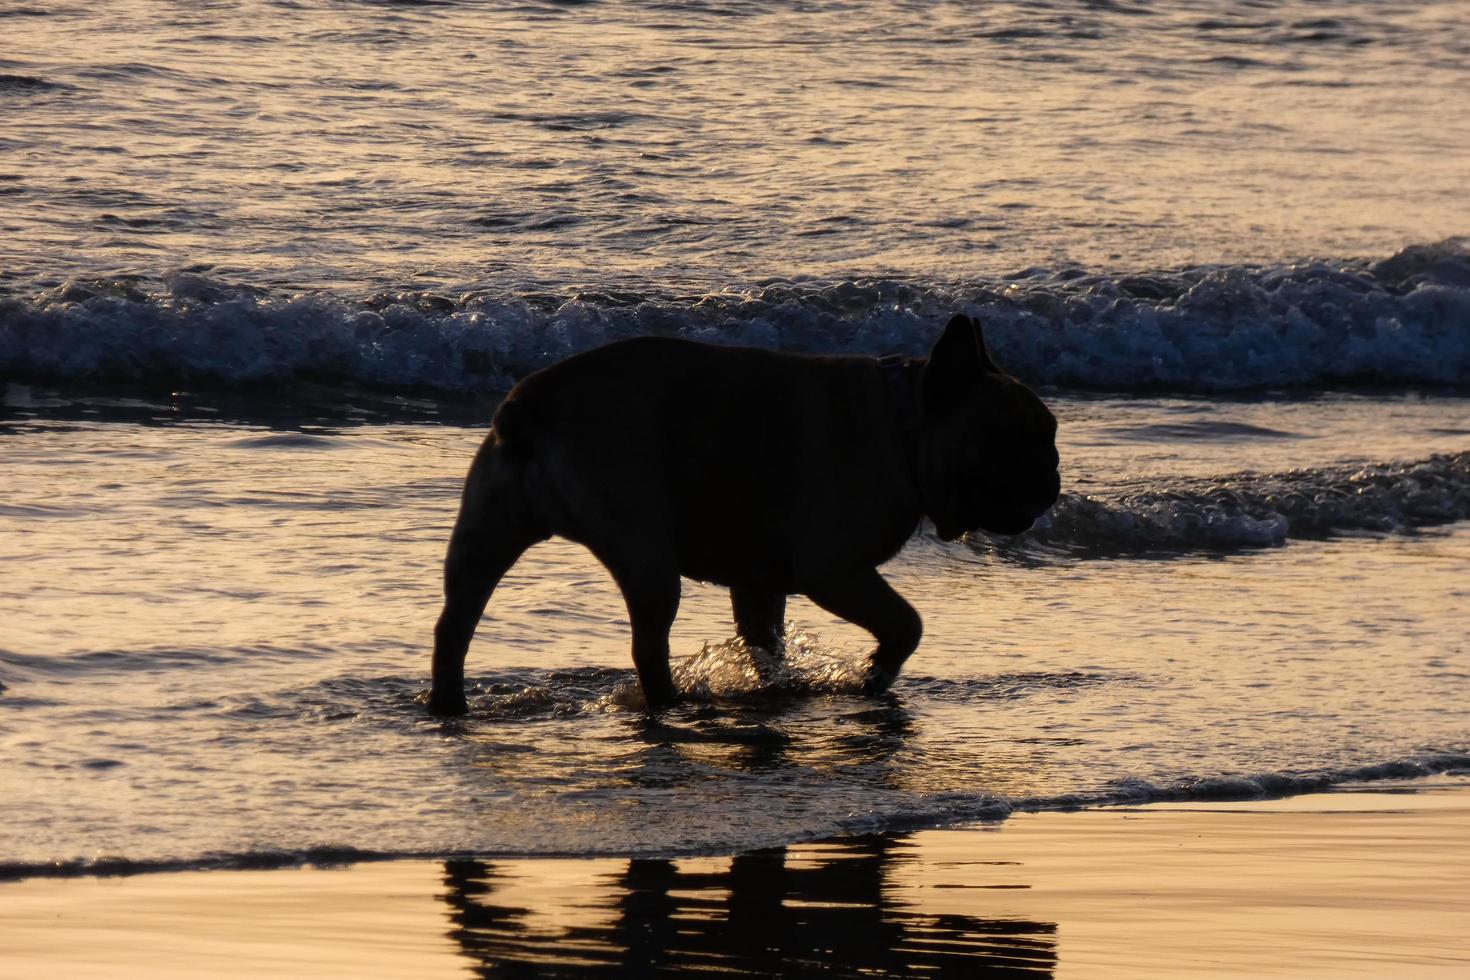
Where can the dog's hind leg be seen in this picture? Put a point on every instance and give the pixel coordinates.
(494, 528)
(868, 601)
(760, 617)
(650, 587)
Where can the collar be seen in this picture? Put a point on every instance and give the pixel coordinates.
(899, 376)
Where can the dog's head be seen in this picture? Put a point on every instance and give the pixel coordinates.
(987, 450)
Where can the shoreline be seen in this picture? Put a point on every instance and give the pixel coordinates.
(1408, 774)
(1359, 879)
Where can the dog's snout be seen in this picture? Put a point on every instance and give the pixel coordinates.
(1054, 488)
(1045, 488)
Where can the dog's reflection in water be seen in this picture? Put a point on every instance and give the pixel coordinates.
(762, 913)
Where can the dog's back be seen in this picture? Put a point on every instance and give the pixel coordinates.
(759, 467)
(770, 473)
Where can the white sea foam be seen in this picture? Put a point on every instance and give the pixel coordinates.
(1402, 321)
(1252, 510)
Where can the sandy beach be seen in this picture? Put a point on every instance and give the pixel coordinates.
(1365, 881)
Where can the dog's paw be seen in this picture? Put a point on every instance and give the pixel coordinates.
(877, 679)
(450, 704)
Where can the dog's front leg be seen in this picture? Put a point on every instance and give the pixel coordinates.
(867, 601)
(760, 617)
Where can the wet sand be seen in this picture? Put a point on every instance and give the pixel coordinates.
(1366, 881)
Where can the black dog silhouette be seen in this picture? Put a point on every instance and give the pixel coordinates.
(773, 474)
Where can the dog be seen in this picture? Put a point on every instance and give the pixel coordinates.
(771, 473)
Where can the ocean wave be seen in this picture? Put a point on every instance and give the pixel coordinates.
(927, 811)
(1401, 321)
(26, 83)
(1252, 510)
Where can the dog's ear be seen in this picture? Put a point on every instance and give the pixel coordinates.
(956, 363)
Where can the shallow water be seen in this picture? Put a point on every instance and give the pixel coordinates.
(266, 268)
(232, 620)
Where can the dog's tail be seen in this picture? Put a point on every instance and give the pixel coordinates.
(513, 425)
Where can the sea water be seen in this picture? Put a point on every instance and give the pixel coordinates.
(268, 266)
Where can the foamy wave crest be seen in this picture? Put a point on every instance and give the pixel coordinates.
(1254, 786)
(1256, 509)
(1404, 320)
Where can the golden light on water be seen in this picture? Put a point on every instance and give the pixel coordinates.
(267, 268)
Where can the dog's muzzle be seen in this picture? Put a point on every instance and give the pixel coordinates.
(1020, 519)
